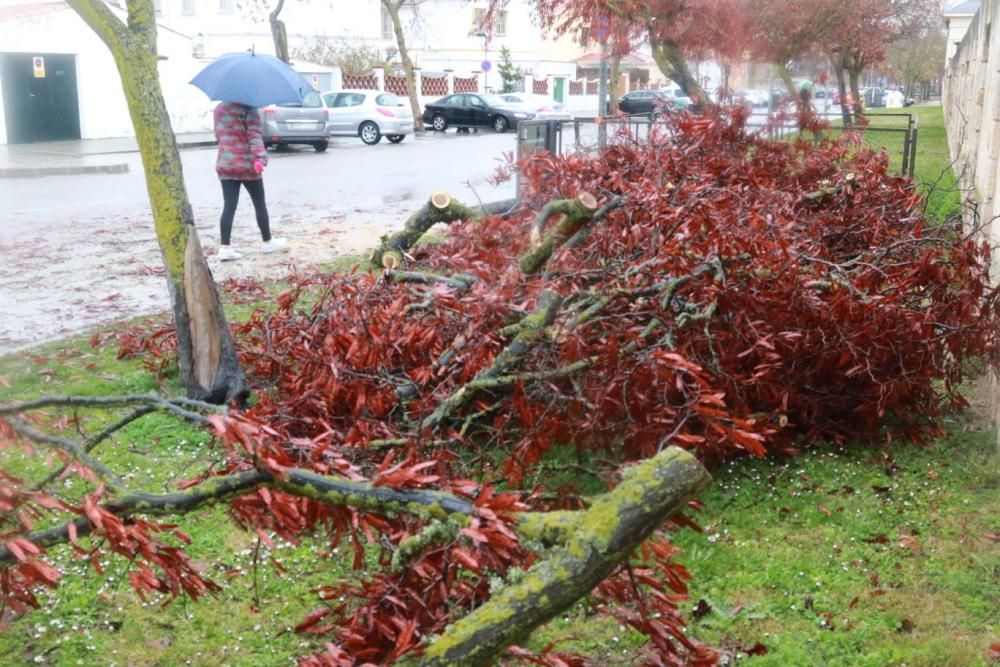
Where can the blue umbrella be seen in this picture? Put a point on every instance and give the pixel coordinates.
(254, 79)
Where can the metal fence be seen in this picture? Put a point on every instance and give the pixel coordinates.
(896, 132)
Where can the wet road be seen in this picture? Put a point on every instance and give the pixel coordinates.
(77, 251)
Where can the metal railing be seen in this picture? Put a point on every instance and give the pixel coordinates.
(590, 135)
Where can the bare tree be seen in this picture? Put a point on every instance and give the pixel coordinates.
(278, 32)
(392, 8)
(918, 59)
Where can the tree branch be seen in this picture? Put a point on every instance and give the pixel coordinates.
(169, 404)
(533, 325)
(439, 208)
(294, 481)
(102, 21)
(593, 543)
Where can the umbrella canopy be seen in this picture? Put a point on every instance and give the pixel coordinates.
(254, 79)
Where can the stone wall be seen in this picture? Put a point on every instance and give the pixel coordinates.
(971, 98)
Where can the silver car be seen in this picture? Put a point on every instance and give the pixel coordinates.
(297, 123)
(369, 114)
(544, 108)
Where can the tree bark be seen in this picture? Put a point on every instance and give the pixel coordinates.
(393, 7)
(591, 544)
(786, 78)
(854, 75)
(615, 78)
(845, 108)
(671, 62)
(278, 32)
(209, 366)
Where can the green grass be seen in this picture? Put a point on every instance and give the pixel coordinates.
(829, 560)
(932, 167)
(92, 619)
(788, 556)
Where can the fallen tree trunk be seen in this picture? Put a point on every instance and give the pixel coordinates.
(592, 543)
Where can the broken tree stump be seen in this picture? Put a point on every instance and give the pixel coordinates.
(439, 208)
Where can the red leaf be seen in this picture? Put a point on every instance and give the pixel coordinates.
(312, 619)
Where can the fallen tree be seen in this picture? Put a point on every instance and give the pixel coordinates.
(706, 289)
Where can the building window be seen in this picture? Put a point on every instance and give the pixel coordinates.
(187, 7)
(226, 6)
(388, 32)
(499, 21)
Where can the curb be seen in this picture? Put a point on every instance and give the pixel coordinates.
(197, 144)
(74, 170)
(69, 170)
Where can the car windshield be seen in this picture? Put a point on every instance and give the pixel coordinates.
(310, 101)
(493, 100)
(388, 100)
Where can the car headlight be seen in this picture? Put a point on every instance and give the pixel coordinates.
(523, 115)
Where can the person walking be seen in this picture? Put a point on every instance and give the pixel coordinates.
(241, 161)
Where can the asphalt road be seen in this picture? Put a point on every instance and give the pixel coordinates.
(348, 177)
(78, 251)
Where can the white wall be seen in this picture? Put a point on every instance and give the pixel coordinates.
(440, 36)
(102, 103)
(103, 110)
(957, 27)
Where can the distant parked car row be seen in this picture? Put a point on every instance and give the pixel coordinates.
(368, 114)
(371, 115)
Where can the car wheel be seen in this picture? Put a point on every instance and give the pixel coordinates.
(369, 133)
(321, 146)
(395, 138)
(500, 124)
(439, 123)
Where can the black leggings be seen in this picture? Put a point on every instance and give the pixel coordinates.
(231, 197)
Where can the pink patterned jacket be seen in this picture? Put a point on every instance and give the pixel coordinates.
(238, 130)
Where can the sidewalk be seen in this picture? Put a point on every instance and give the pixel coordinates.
(85, 156)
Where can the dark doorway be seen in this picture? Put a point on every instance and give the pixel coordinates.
(39, 97)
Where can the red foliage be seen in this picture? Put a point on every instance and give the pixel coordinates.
(747, 296)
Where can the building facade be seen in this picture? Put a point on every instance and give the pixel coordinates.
(59, 81)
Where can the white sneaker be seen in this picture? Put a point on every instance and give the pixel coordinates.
(274, 245)
(227, 254)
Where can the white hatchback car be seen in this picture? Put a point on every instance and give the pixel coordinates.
(544, 108)
(369, 114)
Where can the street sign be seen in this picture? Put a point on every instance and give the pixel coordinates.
(601, 28)
(485, 65)
(38, 63)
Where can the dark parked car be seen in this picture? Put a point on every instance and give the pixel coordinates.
(472, 110)
(643, 101)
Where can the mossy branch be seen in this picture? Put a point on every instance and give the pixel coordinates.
(439, 208)
(176, 405)
(575, 212)
(534, 324)
(294, 481)
(593, 543)
(100, 18)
